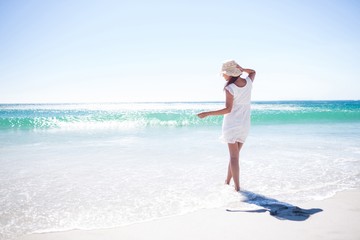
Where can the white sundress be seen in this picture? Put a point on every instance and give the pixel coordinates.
(236, 124)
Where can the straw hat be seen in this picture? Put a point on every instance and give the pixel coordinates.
(230, 68)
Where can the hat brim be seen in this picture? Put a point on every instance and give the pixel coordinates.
(233, 73)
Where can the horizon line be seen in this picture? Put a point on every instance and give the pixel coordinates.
(210, 101)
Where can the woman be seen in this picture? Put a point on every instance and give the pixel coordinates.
(236, 123)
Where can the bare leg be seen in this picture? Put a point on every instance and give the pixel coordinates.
(234, 169)
(229, 175)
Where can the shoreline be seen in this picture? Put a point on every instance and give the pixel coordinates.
(338, 219)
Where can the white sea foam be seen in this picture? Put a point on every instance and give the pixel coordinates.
(277, 107)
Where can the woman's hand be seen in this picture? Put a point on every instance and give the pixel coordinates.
(239, 67)
(203, 114)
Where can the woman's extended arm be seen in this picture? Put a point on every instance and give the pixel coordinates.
(227, 109)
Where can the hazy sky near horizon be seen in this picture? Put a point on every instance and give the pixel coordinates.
(112, 51)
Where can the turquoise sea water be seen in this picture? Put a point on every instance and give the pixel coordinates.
(49, 116)
(88, 166)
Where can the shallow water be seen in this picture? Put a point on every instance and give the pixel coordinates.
(76, 166)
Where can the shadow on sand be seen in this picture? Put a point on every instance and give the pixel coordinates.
(279, 210)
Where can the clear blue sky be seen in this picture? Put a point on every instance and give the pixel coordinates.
(109, 51)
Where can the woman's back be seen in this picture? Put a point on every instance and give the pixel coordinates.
(242, 95)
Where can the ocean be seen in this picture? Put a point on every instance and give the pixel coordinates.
(91, 166)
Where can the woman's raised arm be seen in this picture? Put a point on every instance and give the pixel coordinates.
(251, 72)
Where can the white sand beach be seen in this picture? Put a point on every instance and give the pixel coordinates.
(339, 219)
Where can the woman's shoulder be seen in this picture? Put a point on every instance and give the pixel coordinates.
(241, 82)
(249, 79)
